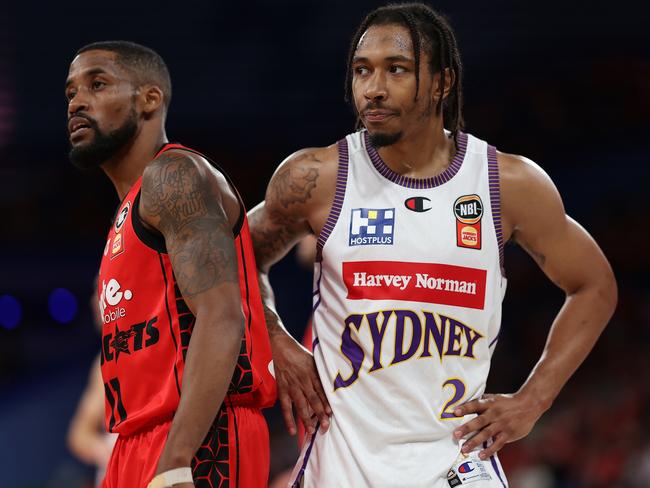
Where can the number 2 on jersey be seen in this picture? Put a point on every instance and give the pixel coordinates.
(459, 392)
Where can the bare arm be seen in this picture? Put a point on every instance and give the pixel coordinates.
(182, 198)
(568, 255)
(296, 199)
(86, 436)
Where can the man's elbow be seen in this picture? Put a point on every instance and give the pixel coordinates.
(227, 324)
(233, 323)
(603, 292)
(599, 290)
(607, 291)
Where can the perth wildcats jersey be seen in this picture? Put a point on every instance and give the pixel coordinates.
(147, 325)
(407, 311)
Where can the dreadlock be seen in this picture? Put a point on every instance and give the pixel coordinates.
(431, 32)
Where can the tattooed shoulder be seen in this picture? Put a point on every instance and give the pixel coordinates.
(302, 177)
(174, 190)
(180, 197)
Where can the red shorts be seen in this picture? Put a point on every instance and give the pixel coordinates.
(234, 454)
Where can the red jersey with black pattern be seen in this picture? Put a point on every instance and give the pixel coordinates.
(147, 325)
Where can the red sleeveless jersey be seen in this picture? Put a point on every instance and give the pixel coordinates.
(147, 325)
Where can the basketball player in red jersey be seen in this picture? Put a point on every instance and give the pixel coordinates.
(185, 351)
(403, 77)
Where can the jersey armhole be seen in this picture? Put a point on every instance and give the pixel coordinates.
(495, 201)
(156, 241)
(149, 238)
(339, 196)
(242, 208)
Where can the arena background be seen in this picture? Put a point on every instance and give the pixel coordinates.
(564, 83)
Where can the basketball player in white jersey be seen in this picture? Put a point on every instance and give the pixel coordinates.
(411, 216)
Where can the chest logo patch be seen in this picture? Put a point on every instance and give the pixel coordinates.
(117, 247)
(121, 218)
(417, 204)
(468, 211)
(372, 226)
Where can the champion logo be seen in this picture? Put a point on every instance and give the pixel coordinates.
(466, 467)
(417, 204)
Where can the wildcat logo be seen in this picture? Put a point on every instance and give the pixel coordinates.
(137, 337)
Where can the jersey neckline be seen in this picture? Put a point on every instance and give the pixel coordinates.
(418, 183)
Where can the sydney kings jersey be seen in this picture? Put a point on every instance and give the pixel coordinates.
(147, 325)
(407, 310)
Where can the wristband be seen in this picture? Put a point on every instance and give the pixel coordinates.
(171, 477)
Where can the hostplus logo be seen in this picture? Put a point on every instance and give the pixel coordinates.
(372, 226)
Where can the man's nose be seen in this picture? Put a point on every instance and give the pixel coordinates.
(78, 103)
(376, 88)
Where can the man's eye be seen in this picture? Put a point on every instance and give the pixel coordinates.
(70, 95)
(397, 69)
(96, 85)
(361, 70)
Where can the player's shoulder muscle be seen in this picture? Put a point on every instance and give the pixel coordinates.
(527, 193)
(179, 185)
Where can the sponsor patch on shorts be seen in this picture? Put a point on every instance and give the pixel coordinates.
(466, 470)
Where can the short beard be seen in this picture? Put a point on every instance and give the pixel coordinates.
(103, 146)
(379, 139)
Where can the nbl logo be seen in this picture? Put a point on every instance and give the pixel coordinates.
(372, 226)
(468, 210)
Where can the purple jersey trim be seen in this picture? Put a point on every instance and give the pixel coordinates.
(301, 473)
(339, 195)
(418, 183)
(315, 343)
(495, 466)
(317, 291)
(495, 200)
(495, 339)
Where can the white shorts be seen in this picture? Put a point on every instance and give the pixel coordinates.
(326, 464)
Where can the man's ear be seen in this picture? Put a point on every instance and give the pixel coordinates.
(151, 99)
(450, 80)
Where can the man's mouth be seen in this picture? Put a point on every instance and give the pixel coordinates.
(78, 124)
(378, 115)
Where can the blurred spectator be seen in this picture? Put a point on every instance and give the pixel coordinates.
(87, 436)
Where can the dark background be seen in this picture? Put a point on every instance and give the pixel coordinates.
(564, 83)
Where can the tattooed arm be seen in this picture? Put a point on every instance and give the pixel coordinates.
(185, 200)
(533, 215)
(297, 203)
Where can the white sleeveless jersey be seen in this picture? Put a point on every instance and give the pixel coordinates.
(407, 311)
